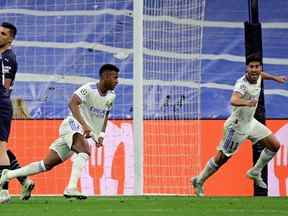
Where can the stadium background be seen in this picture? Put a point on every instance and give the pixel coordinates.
(52, 64)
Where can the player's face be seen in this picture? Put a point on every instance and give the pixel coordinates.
(5, 36)
(110, 79)
(254, 70)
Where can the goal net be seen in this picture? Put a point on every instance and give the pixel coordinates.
(172, 74)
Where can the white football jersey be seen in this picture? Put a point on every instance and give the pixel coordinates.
(242, 116)
(94, 106)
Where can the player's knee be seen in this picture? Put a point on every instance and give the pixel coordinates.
(81, 147)
(77, 138)
(272, 143)
(3, 151)
(86, 151)
(3, 146)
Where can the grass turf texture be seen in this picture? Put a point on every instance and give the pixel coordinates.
(147, 205)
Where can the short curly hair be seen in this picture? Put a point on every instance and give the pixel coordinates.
(108, 67)
(11, 27)
(254, 57)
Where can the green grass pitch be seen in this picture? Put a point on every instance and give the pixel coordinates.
(147, 205)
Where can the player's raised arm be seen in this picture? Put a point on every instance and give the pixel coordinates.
(74, 103)
(279, 79)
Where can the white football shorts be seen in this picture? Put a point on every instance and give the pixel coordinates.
(233, 138)
(62, 145)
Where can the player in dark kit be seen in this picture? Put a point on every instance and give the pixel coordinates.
(8, 69)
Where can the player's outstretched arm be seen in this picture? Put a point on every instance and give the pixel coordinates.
(279, 79)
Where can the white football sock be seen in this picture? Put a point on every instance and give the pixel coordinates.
(265, 156)
(30, 169)
(210, 168)
(77, 166)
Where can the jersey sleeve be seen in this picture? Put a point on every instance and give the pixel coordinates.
(240, 87)
(9, 67)
(82, 92)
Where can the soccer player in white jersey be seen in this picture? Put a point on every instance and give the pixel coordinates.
(242, 125)
(89, 106)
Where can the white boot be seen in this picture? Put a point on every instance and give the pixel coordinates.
(74, 193)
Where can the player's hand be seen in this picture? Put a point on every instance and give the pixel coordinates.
(252, 103)
(99, 142)
(86, 131)
(281, 79)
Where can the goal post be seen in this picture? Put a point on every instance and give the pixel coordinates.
(138, 112)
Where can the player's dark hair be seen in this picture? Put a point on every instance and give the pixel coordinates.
(107, 67)
(11, 27)
(254, 57)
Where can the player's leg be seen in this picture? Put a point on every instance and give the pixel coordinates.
(271, 147)
(210, 168)
(14, 164)
(6, 113)
(71, 132)
(80, 147)
(4, 161)
(27, 184)
(51, 160)
(4, 164)
(263, 135)
(227, 147)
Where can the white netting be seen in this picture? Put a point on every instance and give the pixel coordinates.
(172, 73)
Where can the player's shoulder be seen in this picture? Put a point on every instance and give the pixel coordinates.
(9, 55)
(85, 89)
(89, 86)
(242, 79)
(241, 84)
